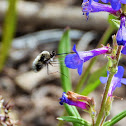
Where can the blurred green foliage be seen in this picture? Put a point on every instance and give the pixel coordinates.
(8, 31)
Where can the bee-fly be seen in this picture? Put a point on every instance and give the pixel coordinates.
(43, 59)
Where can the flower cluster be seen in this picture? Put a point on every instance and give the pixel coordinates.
(75, 61)
(89, 6)
(114, 77)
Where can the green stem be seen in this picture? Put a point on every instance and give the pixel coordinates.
(85, 74)
(103, 120)
(100, 115)
(93, 122)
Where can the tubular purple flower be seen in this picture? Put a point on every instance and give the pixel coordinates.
(92, 6)
(75, 61)
(116, 4)
(80, 104)
(121, 34)
(116, 80)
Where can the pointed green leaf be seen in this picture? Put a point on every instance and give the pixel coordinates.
(115, 119)
(74, 120)
(65, 47)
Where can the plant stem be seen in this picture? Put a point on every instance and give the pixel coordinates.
(93, 123)
(100, 115)
(85, 74)
(103, 120)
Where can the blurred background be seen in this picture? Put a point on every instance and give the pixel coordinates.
(38, 26)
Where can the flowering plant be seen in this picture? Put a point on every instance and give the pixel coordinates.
(115, 73)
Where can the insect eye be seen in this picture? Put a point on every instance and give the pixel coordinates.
(53, 53)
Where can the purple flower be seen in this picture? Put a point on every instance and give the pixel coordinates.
(80, 104)
(124, 50)
(116, 80)
(121, 34)
(75, 61)
(91, 6)
(116, 4)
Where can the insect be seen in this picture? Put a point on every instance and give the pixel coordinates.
(43, 59)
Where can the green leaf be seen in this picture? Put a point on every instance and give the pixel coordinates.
(74, 120)
(93, 81)
(115, 119)
(113, 21)
(71, 110)
(8, 31)
(65, 47)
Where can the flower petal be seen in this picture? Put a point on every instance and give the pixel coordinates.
(116, 5)
(123, 80)
(123, 1)
(120, 72)
(121, 34)
(74, 49)
(80, 68)
(72, 61)
(103, 80)
(105, 1)
(63, 98)
(124, 50)
(79, 104)
(96, 0)
(116, 80)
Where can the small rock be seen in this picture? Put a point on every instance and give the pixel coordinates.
(29, 80)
